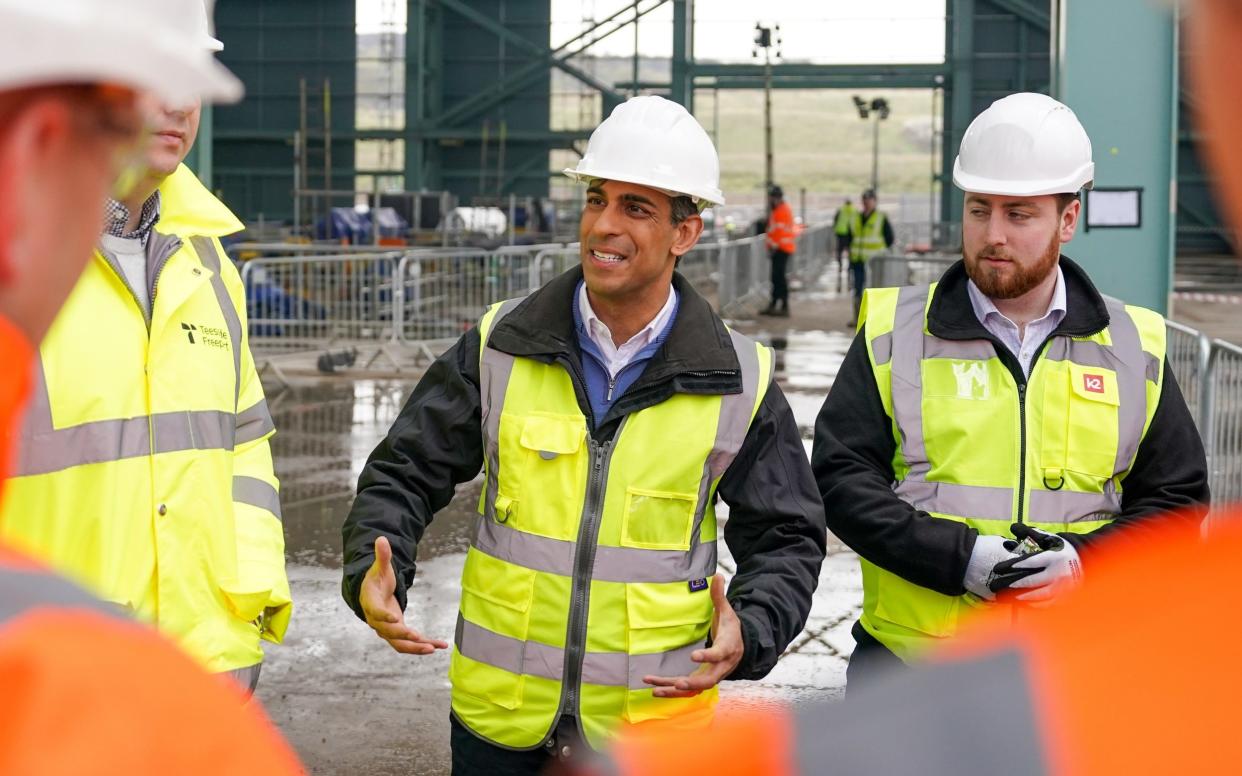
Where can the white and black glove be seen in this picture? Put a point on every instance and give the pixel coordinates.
(1044, 574)
(989, 551)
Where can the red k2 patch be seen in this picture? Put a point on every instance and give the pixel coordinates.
(1093, 383)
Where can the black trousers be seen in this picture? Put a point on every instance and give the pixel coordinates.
(871, 661)
(780, 285)
(843, 247)
(473, 756)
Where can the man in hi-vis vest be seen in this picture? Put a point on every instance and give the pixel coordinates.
(143, 469)
(1009, 401)
(608, 411)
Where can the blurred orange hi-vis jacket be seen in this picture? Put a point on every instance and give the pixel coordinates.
(1136, 672)
(781, 228)
(87, 691)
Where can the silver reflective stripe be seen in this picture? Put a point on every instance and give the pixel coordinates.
(1154, 367)
(256, 493)
(495, 368)
(193, 430)
(907, 378)
(1068, 506)
(966, 350)
(205, 247)
(253, 423)
(611, 669)
(882, 348)
(1131, 382)
(948, 498)
(1081, 352)
(23, 591)
(940, 719)
(102, 441)
(612, 564)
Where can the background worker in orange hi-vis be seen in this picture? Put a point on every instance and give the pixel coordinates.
(1134, 672)
(85, 690)
(782, 244)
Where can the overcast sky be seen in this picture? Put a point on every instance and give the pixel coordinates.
(826, 31)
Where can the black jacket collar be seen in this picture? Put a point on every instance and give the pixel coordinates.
(697, 357)
(951, 316)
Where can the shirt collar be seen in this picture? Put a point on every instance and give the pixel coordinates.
(598, 330)
(985, 307)
(118, 215)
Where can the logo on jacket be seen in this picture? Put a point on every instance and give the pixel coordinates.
(972, 379)
(211, 336)
(1093, 383)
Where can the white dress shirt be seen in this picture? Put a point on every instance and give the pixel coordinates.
(1022, 346)
(616, 358)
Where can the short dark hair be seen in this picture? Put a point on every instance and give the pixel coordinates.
(1064, 200)
(681, 208)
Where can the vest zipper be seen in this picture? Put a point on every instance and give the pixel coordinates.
(612, 384)
(1021, 448)
(584, 561)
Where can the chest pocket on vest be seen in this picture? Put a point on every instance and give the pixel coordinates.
(554, 470)
(658, 520)
(1080, 422)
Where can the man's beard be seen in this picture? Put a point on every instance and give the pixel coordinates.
(1018, 280)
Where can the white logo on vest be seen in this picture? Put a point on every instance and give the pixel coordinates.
(972, 379)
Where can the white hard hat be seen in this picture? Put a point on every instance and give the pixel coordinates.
(1024, 145)
(654, 142)
(202, 25)
(156, 46)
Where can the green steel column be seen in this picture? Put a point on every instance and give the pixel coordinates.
(202, 154)
(1124, 90)
(683, 54)
(960, 108)
(414, 98)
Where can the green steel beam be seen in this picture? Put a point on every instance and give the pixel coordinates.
(1027, 12)
(524, 76)
(958, 97)
(823, 82)
(781, 69)
(682, 64)
(491, 25)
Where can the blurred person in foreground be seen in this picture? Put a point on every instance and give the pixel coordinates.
(148, 429)
(86, 690)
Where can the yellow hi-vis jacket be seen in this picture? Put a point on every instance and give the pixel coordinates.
(143, 469)
(592, 557)
(974, 446)
(868, 235)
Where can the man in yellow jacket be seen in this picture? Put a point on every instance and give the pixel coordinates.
(143, 469)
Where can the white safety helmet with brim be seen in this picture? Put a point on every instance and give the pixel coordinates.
(162, 47)
(654, 142)
(1024, 145)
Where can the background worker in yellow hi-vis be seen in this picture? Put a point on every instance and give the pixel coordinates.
(609, 411)
(1010, 400)
(143, 469)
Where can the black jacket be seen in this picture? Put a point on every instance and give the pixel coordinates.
(775, 527)
(854, 447)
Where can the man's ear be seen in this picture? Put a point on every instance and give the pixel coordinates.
(688, 233)
(1069, 220)
(26, 143)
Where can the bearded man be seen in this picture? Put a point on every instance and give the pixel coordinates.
(987, 432)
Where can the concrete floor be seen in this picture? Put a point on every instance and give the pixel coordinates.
(345, 700)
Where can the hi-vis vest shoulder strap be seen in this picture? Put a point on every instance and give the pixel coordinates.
(591, 562)
(976, 447)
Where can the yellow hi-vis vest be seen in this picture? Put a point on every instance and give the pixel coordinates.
(591, 562)
(976, 447)
(845, 217)
(143, 469)
(868, 236)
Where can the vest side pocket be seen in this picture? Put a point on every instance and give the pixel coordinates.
(496, 597)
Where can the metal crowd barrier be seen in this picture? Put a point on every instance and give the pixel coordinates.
(1208, 371)
(308, 297)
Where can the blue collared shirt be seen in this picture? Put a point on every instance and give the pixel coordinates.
(1022, 346)
(604, 387)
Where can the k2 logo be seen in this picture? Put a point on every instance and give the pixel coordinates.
(189, 329)
(1093, 383)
